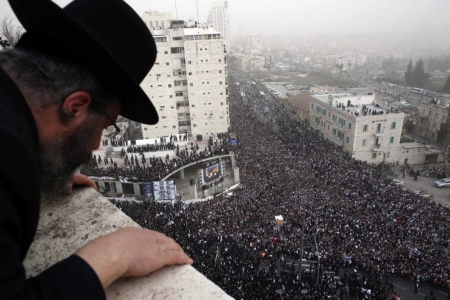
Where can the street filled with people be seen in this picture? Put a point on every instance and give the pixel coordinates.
(356, 224)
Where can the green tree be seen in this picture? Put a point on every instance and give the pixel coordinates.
(446, 88)
(409, 77)
(340, 67)
(421, 79)
(409, 125)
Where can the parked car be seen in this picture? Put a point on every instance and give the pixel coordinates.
(423, 193)
(442, 183)
(397, 182)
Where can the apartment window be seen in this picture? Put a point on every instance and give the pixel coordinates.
(156, 22)
(220, 82)
(151, 24)
(391, 140)
(220, 71)
(189, 62)
(364, 142)
(221, 103)
(166, 52)
(169, 85)
(190, 73)
(393, 125)
(174, 126)
(175, 50)
(324, 112)
(312, 105)
(194, 125)
(167, 63)
(160, 39)
(220, 60)
(145, 128)
(388, 154)
(347, 140)
(191, 84)
(349, 125)
(177, 38)
(193, 105)
(374, 155)
(163, 117)
(365, 128)
(179, 94)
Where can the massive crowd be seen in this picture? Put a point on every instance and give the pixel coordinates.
(155, 168)
(360, 221)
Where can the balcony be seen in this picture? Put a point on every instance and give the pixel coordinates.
(66, 224)
(379, 133)
(377, 148)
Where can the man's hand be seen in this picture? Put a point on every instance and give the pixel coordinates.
(80, 179)
(131, 252)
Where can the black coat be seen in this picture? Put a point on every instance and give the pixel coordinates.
(71, 278)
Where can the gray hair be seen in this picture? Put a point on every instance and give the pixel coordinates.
(48, 81)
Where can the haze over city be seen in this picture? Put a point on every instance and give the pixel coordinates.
(413, 22)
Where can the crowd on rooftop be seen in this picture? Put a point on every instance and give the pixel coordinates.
(154, 168)
(360, 221)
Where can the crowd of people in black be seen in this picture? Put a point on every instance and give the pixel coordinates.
(155, 168)
(362, 224)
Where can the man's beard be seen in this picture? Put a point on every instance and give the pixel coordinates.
(61, 157)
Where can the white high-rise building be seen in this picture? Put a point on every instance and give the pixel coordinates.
(188, 84)
(220, 20)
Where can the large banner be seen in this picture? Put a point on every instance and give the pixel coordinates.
(159, 190)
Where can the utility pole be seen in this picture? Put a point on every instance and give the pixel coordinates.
(301, 248)
(318, 259)
(340, 161)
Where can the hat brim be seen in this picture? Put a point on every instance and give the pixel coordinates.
(48, 17)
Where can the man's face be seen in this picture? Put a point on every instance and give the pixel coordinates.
(61, 157)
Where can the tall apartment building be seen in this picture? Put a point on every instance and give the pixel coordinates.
(220, 20)
(188, 83)
(430, 117)
(367, 130)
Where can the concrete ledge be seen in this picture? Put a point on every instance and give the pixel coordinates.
(68, 223)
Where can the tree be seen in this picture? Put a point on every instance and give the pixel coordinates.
(409, 77)
(349, 66)
(446, 88)
(443, 142)
(340, 67)
(409, 125)
(421, 79)
(10, 31)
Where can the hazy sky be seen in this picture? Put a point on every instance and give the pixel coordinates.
(310, 16)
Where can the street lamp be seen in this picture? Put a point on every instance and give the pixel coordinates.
(303, 235)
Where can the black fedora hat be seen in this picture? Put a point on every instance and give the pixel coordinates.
(106, 35)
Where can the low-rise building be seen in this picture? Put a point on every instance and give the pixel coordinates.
(367, 130)
(298, 106)
(430, 116)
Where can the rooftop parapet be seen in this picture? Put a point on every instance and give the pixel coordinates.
(66, 224)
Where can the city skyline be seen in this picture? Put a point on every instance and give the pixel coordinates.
(308, 16)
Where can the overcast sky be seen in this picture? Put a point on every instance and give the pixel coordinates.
(261, 17)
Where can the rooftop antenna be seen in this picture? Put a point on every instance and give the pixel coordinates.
(176, 11)
(198, 19)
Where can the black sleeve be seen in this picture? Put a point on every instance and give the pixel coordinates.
(71, 278)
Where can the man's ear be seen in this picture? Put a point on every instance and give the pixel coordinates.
(76, 105)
